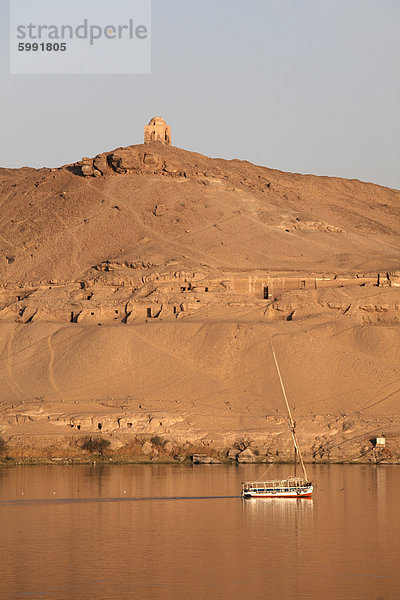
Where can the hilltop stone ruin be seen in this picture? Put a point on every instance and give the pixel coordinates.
(157, 131)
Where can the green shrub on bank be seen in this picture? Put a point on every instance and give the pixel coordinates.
(3, 446)
(95, 445)
(157, 440)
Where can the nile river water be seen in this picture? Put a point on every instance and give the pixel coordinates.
(173, 532)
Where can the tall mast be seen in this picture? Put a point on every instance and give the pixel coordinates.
(292, 425)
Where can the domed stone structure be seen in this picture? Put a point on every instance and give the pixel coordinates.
(157, 131)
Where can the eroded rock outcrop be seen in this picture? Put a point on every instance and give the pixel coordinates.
(133, 159)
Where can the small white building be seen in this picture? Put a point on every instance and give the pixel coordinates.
(380, 442)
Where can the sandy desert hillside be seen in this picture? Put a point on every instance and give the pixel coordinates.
(140, 289)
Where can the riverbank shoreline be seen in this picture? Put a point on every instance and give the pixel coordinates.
(187, 461)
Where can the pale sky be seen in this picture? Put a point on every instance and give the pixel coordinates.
(308, 86)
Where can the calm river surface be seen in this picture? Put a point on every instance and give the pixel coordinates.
(108, 532)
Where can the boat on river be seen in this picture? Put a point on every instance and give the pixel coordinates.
(293, 486)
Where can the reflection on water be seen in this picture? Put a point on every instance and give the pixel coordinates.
(172, 531)
(271, 513)
(280, 507)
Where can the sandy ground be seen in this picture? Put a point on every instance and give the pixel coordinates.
(124, 314)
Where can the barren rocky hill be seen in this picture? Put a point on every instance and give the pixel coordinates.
(157, 204)
(140, 288)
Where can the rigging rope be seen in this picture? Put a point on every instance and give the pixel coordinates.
(266, 471)
(292, 424)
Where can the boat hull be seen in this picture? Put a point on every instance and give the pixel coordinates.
(299, 493)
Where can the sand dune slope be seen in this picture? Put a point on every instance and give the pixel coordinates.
(140, 290)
